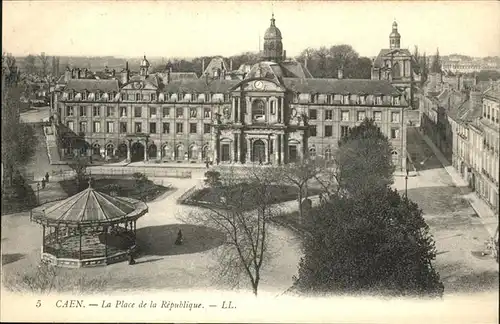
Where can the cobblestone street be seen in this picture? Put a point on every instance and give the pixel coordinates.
(457, 229)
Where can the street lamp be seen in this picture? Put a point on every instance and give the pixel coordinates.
(38, 192)
(406, 183)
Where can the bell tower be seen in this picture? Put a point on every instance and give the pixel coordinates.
(394, 37)
(273, 45)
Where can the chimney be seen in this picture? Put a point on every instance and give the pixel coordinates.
(341, 73)
(168, 75)
(124, 74)
(78, 73)
(206, 78)
(202, 66)
(284, 55)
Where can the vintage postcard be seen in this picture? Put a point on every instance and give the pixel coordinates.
(249, 162)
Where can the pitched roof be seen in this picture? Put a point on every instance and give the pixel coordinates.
(387, 51)
(150, 78)
(493, 92)
(341, 86)
(90, 206)
(93, 85)
(215, 63)
(174, 76)
(295, 69)
(200, 85)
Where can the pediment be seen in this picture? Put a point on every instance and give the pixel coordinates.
(139, 85)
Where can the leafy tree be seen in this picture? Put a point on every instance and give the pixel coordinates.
(364, 160)
(436, 63)
(79, 165)
(212, 178)
(30, 64)
(44, 61)
(377, 243)
(246, 250)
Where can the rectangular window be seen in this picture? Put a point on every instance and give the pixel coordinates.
(179, 112)
(377, 115)
(166, 128)
(361, 115)
(69, 111)
(152, 128)
(70, 95)
(192, 128)
(123, 111)
(346, 100)
(344, 115)
(71, 125)
(192, 113)
(396, 100)
(137, 97)
(137, 111)
(110, 111)
(378, 100)
(138, 127)
(97, 96)
(206, 112)
(394, 133)
(144, 97)
(313, 114)
(110, 127)
(83, 111)
(273, 107)
(123, 127)
(97, 111)
(313, 130)
(206, 128)
(153, 97)
(96, 128)
(152, 112)
(362, 100)
(328, 130)
(395, 117)
(328, 114)
(166, 112)
(83, 127)
(344, 131)
(179, 128)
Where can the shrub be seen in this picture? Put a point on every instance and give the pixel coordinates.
(212, 178)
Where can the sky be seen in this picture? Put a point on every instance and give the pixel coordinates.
(198, 28)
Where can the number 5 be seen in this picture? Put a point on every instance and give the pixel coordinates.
(38, 303)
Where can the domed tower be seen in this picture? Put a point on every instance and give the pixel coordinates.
(144, 66)
(395, 38)
(273, 47)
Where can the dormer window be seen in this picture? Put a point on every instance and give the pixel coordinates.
(362, 99)
(378, 100)
(187, 97)
(153, 97)
(396, 100)
(137, 97)
(97, 96)
(345, 99)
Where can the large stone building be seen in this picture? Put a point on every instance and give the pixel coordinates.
(275, 112)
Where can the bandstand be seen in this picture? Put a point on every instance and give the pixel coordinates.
(89, 229)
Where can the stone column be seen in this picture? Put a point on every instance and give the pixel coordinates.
(266, 151)
(146, 155)
(129, 151)
(238, 148)
(249, 150)
(276, 149)
(282, 111)
(283, 148)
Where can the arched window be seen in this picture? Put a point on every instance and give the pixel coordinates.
(192, 152)
(396, 71)
(312, 152)
(110, 148)
(152, 151)
(395, 157)
(164, 151)
(179, 152)
(328, 154)
(96, 149)
(204, 153)
(258, 111)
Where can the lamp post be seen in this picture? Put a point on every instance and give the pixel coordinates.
(406, 183)
(38, 192)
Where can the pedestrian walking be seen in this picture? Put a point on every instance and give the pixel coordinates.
(131, 260)
(47, 177)
(207, 164)
(178, 241)
(43, 183)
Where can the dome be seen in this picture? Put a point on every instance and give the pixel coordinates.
(144, 62)
(394, 30)
(272, 31)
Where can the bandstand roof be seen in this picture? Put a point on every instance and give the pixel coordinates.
(89, 208)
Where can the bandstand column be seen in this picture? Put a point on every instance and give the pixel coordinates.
(129, 148)
(266, 151)
(146, 151)
(80, 250)
(276, 149)
(135, 229)
(43, 238)
(106, 242)
(282, 148)
(249, 150)
(282, 111)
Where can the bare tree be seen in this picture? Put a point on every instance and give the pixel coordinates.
(30, 64)
(246, 229)
(44, 60)
(298, 175)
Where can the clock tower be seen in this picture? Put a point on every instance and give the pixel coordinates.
(273, 46)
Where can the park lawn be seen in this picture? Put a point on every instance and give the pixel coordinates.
(281, 193)
(128, 187)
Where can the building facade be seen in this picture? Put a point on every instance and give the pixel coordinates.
(277, 113)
